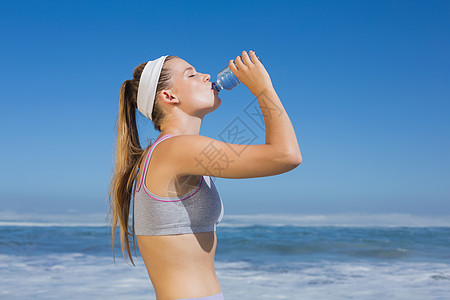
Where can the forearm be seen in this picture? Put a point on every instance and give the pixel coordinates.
(280, 133)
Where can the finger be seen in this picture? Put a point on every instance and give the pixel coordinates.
(246, 59)
(239, 63)
(232, 66)
(253, 57)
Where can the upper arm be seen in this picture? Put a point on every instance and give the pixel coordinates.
(201, 155)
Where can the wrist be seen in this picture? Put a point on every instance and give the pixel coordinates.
(266, 91)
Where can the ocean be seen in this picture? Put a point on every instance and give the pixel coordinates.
(257, 257)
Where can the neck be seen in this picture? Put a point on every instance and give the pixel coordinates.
(186, 125)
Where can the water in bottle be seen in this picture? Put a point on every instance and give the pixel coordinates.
(226, 80)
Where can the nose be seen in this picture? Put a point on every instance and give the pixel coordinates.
(207, 77)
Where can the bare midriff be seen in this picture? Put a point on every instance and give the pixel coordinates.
(181, 266)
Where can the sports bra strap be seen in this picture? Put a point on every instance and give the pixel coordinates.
(147, 159)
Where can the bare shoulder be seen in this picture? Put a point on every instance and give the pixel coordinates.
(202, 155)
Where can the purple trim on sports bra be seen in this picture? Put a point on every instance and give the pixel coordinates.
(161, 198)
(136, 189)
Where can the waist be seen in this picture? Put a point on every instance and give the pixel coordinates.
(180, 283)
(181, 266)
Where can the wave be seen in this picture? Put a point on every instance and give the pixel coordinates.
(338, 220)
(55, 276)
(50, 224)
(8, 218)
(11, 218)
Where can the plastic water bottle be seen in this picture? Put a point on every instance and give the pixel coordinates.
(226, 80)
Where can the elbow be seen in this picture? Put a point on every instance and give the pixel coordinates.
(294, 159)
(288, 159)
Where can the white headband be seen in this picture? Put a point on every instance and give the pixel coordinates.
(147, 86)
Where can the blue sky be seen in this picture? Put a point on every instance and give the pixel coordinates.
(366, 85)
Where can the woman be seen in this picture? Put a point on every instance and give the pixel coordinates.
(176, 205)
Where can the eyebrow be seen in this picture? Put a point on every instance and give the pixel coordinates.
(189, 68)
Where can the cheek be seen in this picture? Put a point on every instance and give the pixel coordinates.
(195, 94)
(190, 97)
(185, 92)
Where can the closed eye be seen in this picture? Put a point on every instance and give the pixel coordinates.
(192, 75)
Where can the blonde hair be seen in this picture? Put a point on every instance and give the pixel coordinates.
(129, 154)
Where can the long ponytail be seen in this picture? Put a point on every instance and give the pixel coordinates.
(129, 155)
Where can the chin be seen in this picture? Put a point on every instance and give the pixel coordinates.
(215, 105)
(218, 102)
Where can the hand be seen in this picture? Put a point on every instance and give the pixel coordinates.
(251, 72)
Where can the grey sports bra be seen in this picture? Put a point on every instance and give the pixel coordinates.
(200, 210)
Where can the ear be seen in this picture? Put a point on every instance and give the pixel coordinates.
(168, 96)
